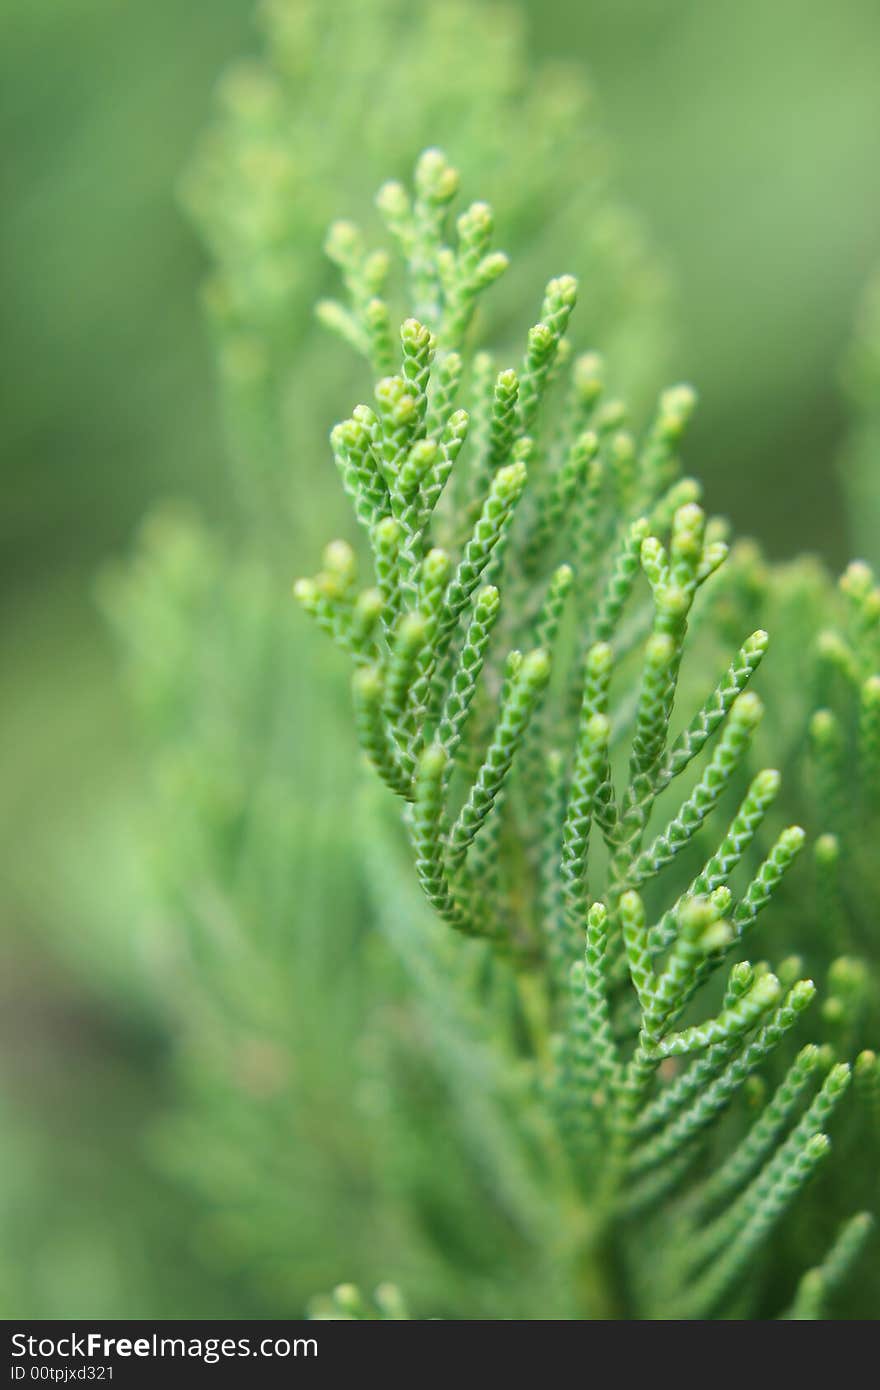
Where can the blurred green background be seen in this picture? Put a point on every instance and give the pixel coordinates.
(746, 139)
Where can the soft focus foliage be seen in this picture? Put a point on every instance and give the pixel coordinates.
(217, 665)
(285, 1002)
(583, 995)
(348, 95)
(862, 448)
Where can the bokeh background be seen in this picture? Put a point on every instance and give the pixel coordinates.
(745, 137)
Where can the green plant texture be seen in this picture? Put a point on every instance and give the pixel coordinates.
(283, 1107)
(560, 999)
(539, 572)
(345, 95)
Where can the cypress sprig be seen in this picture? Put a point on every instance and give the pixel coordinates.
(452, 436)
(427, 836)
(767, 879)
(867, 1079)
(746, 1207)
(587, 777)
(701, 930)
(715, 1282)
(359, 470)
(733, 1021)
(497, 530)
(407, 646)
(366, 614)
(593, 1069)
(444, 384)
(717, 869)
(506, 490)
(516, 711)
(433, 577)
(551, 899)
(602, 1056)
(819, 1284)
(764, 1134)
(621, 580)
(569, 483)
(691, 741)
(373, 732)
(386, 537)
(729, 752)
(550, 613)
(464, 682)
(674, 1097)
(635, 940)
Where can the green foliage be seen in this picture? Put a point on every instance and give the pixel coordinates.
(634, 1053)
(290, 1037)
(513, 1117)
(343, 96)
(326, 1117)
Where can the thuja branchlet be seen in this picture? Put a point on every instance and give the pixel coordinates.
(537, 570)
